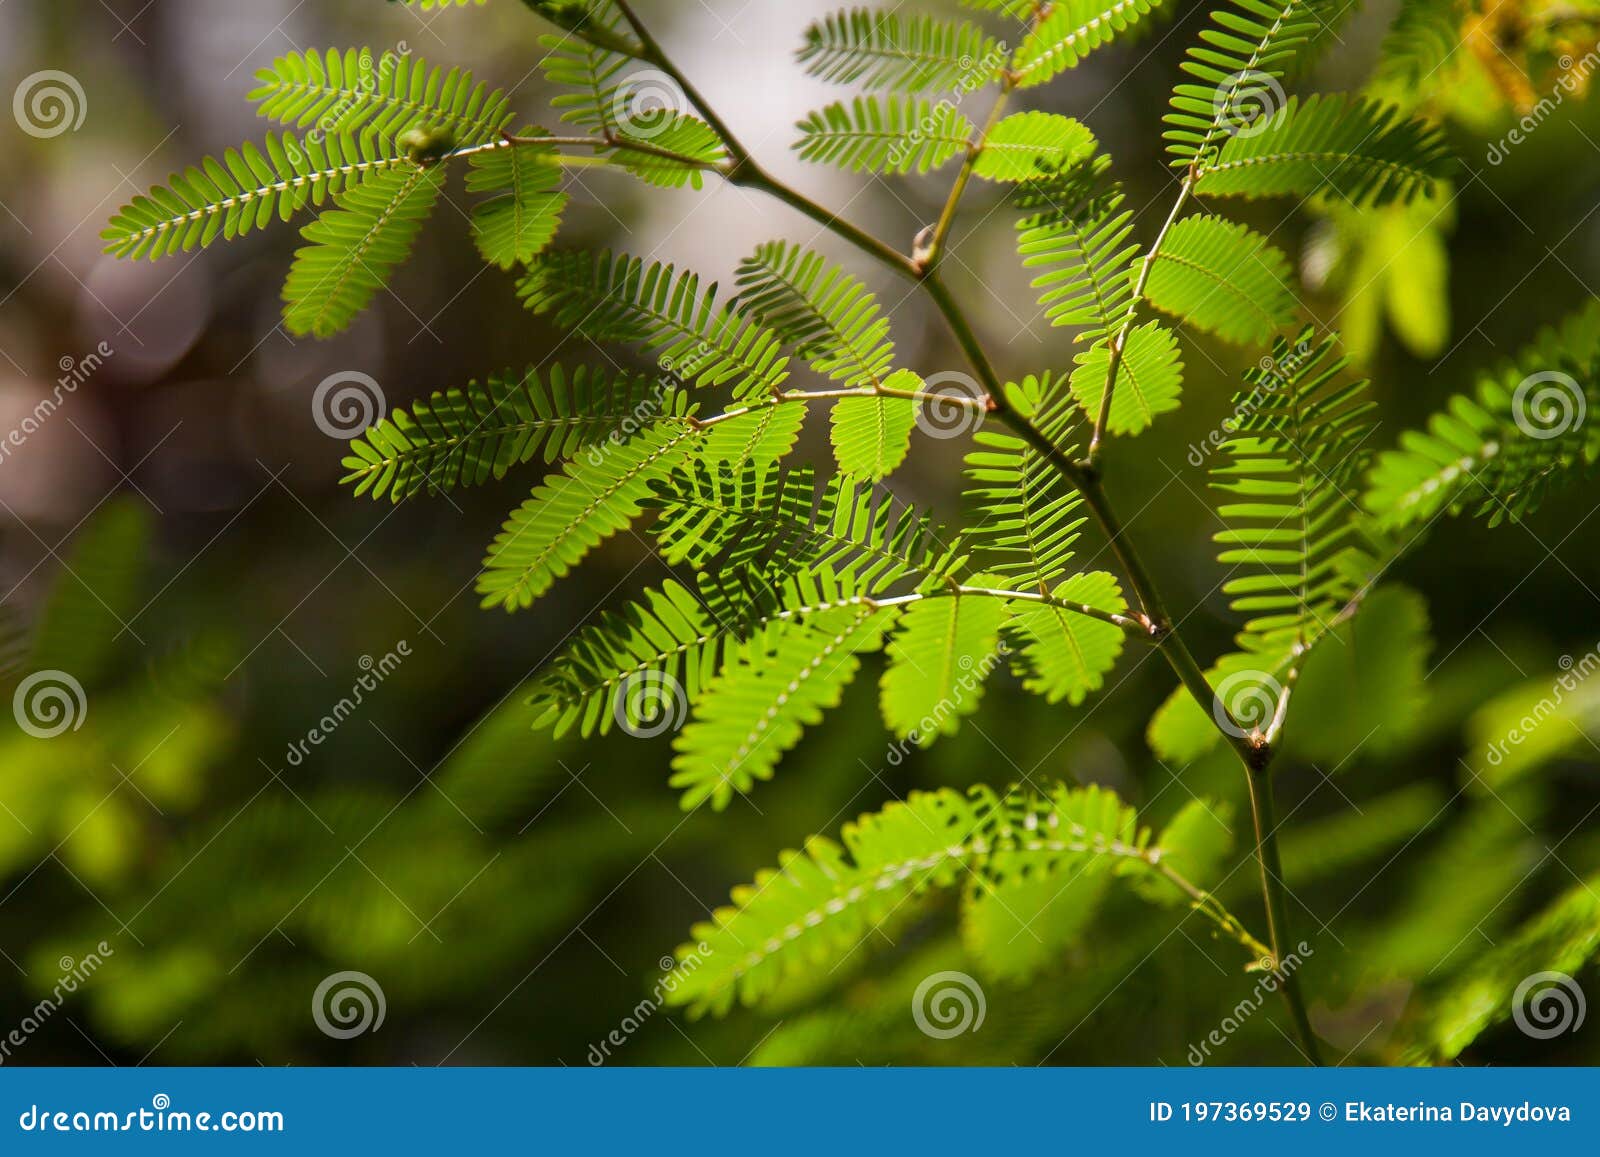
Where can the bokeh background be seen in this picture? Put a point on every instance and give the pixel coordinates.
(175, 536)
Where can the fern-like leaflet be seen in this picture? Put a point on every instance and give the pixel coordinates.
(1497, 452)
(1080, 232)
(1026, 516)
(1069, 31)
(573, 511)
(659, 144)
(621, 298)
(1222, 277)
(520, 220)
(1361, 152)
(1295, 533)
(1027, 144)
(355, 247)
(353, 91)
(824, 902)
(835, 324)
(469, 436)
(910, 52)
(829, 316)
(757, 708)
(890, 134)
(244, 191)
(776, 519)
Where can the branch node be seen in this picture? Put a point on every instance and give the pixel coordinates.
(1259, 752)
(923, 249)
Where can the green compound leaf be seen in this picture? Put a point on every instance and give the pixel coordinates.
(872, 436)
(1070, 31)
(758, 708)
(829, 316)
(1240, 64)
(517, 224)
(1026, 145)
(1357, 150)
(469, 436)
(356, 247)
(1026, 516)
(608, 297)
(1080, 233)
(1527, 429)
(1149, 379)
(889, 134)
(1222, 277)
(354, 91)
(1061, 654)
(821, 905)
(776, 519)
(246, 190)
(909, 52)
(939, 658)
(574, 511)
(667, 639)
